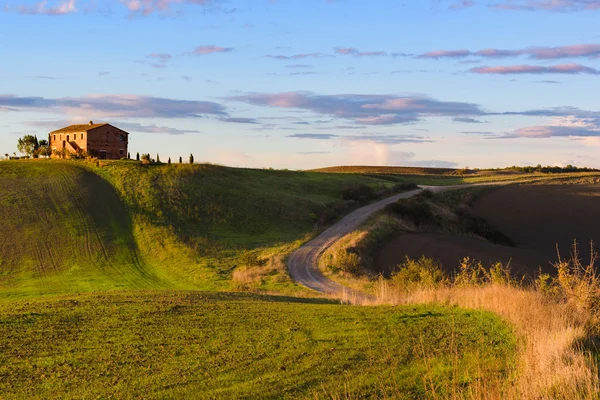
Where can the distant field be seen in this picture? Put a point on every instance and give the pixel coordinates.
(356, 169)
(202, 345)
(536, 218)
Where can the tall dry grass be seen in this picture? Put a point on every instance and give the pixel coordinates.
(553, 320)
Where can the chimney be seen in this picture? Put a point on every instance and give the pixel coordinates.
(91, 123)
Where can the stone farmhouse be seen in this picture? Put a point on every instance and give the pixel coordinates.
(98, 140)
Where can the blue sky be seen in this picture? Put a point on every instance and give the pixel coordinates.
(311, 83)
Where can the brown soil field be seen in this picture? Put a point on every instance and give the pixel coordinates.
(535, 217)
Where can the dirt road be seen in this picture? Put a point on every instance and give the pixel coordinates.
(303, 263)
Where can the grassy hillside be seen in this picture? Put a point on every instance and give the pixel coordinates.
(64, 229)
(72, 227)
(202, 345)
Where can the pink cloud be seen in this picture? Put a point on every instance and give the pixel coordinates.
(535, 69)
(577, 50)
(147, 7)
(538, 53)
(41, 8)
(211, 49)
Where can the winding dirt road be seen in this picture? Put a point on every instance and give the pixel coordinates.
(303, 264)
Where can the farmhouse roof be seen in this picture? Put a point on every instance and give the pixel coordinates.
(78, 128)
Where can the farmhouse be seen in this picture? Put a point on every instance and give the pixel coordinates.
(99, 140)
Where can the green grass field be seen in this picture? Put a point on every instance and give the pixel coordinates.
(207, 345)
(70, 227)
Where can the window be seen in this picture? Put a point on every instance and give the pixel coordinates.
(122, 138)
(121, 152)
(54, 137)
(82, 136)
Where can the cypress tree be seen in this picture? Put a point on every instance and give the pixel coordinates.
(169, 161)
(137, 156)
(180, 160)
(191, 158)
(128, 155)
(157, 158)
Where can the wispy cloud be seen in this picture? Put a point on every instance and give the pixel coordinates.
(240, 120)
(295, 56)
(357, 53)
(548, 5)
(210, 49)
(116, 106)
(590, 51)
(462, 4)
(364, 108)
(147, 7)
(468, 120)
(135, 127)
(316, 136)
(62, 7)
(372, 138)
(571, 69)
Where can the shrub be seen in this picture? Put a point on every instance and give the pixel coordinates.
(146, 159)
(347, 261)
(414, 209)
(250, 259)
(423, 273)
(360, 193)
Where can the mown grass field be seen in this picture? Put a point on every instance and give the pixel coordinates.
(206, 345)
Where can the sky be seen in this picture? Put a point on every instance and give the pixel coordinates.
(304, 84)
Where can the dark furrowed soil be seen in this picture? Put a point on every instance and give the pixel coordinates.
(536, 217)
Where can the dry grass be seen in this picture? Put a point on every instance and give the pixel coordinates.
(552, 326)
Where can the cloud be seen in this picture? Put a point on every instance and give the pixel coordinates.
(295, 56)
(462, 4)
(571, 69)
(354, 52)
(308, 153)
(437, 54)
(135, 127)
(371, 138)
(317, 136)
(549, 5)
(364, 108)
(114, 105)
(299, 66)
(147, 7)
(568, 126)
(210, 49)
(161, 57)
(60, 8)
(590, 51)
(467, 120)
(103, 73)
(239, 120)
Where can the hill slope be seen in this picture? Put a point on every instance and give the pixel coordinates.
(64, 229)
(73, 227)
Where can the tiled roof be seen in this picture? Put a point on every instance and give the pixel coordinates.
(78, 128)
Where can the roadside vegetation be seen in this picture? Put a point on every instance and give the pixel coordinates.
(555, 315)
